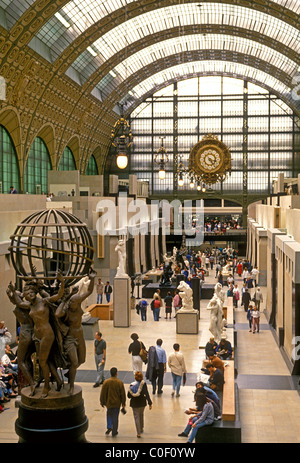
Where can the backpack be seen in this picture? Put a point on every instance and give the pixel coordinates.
(152, 305)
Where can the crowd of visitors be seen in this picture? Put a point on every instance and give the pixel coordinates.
(219, 226)
(8, 376)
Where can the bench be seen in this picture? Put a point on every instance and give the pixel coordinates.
(228, 400)
(102, 311)
(228, 429)
(228, 311)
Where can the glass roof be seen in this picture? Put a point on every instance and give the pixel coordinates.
(84, 13)
(174, 73)
(196, 42)
(14, 10)
(80, 15)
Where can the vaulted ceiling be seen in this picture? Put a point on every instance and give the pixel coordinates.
(98, 53)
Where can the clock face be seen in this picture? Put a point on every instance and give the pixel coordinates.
(210, 160)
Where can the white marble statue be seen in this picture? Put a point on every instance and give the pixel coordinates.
(227, 269)
(121, 250)
(186, 294)
(216, 312)
(83, 285)
(167, 259)
(175, 252)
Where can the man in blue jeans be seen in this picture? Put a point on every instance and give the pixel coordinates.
(204, 418)
(107, 291)
(113, 397)
(177, 366)
(100, 357)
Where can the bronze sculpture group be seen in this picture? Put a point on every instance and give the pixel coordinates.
(50, 325)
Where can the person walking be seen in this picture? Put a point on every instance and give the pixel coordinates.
(113, 397)
(255, 320)
(100, 291)
(249, 317)
(177, 366)
(107, 291)
(100, 357)
(168, 305)
(139, 398)
(246, 298)
(158, 381)
(258, 297)
(236, 296)
(134, 349)
(254, 275)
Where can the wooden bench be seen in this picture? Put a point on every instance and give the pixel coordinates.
(228, 311)
(228, 401)
(102, 311)
(228, 429)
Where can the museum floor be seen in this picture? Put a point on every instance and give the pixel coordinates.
(269, 399)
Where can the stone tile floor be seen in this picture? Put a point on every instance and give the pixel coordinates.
(269, 397)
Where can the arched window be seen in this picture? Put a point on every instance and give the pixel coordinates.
(9, 168)
(67, 161)
(92, 168)
(36, 172)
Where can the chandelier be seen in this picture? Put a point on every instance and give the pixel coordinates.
(161, 158)
(121, 137)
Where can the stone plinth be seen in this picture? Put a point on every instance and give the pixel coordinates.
(187, 322)
(57, 418)
(90, 327)
(151, 288)
(122, 296)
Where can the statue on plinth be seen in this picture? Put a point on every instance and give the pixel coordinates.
(167, 275)
(186, 295)
(51, 250)
(216, 312)
(121, 250)
(40, 310)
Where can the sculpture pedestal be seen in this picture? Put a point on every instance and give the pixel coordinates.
(90, 328)
(187, 322)
(58, 418)
(122, 296)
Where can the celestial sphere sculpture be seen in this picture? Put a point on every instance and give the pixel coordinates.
(49, 241)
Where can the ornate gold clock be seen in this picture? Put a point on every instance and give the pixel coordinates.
(210, 160)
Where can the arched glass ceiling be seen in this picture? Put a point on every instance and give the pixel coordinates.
(204, 68)
(194, 42)
(81, 15)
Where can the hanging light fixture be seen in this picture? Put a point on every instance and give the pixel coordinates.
(192, 183)
(121, 140)
(121, 135)
(181, 171)
(161, 159)
(180, 179)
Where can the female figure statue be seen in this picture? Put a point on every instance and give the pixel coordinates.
(43, 334)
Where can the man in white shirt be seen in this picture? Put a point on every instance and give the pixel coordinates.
(177, 366)
(254, 275)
